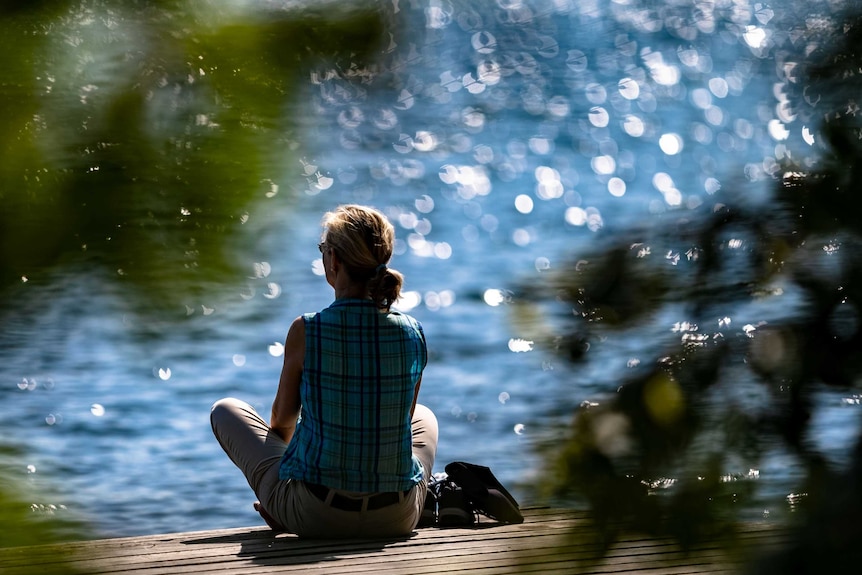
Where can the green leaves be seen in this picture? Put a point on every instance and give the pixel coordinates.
(667, 449)
(137, 139)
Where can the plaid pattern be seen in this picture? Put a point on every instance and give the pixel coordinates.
(360, 373)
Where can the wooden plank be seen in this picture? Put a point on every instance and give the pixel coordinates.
(359, 560)
(546, 542)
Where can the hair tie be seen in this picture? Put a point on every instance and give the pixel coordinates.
(380, 269)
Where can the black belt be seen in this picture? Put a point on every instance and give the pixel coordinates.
(348, 504)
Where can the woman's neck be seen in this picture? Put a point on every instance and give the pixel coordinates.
(344, 285)
(351, 292)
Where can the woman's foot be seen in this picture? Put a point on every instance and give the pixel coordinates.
(273, 524)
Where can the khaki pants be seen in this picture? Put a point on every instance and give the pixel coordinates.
(257, 451)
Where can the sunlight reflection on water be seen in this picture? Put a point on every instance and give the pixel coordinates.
(500, 141)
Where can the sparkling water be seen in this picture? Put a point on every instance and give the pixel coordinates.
(506, 139)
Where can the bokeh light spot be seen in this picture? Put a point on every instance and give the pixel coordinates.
(494, 297)
(518, 345)
(671, 144)
(276, 349)
(664, 400)
(633, 126)
(408, 300)
(599, 117)
(718, 87)
(777, 130)
(576, 216)
(603, 165)
(629, 89)
(617, 187)
(521, 237)
(524, 204)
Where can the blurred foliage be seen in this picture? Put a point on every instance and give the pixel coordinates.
(655, 456)
(26, 525)
(135, 135)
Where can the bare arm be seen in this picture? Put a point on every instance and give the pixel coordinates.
(285, 407)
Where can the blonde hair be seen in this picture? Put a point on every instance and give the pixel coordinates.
(364, 238)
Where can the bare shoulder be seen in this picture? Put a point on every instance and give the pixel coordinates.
(298, 325)
(294, 345)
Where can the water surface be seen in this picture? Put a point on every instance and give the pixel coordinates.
(504, 140)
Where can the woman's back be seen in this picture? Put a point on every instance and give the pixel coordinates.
(359, 379)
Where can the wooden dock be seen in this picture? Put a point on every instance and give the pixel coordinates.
(542, 544)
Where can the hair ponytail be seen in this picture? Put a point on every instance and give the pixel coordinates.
(385, 287)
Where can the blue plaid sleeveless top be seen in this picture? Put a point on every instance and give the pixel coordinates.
(359, 376)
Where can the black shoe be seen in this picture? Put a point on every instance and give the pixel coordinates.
(453, 507)
(485, 494)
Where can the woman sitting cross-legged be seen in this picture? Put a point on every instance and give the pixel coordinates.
(347, 452)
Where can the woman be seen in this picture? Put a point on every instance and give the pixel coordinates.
(347, 452)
